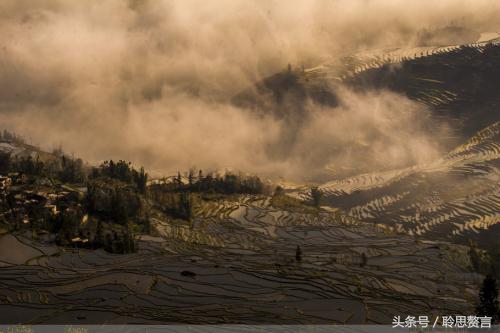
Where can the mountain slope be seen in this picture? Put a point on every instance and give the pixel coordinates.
(455, 90)
(456, 197)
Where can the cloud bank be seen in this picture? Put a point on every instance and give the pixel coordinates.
(151, 81)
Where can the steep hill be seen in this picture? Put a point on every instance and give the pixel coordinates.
(456, 197)
(456, 90)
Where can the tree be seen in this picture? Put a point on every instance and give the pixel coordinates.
(474, 257)
(488, 300)
(278, 191)
(200, 179)
(129, 240)
(108, 243)
(316, 196)
(5, 163)
(99, 235)
(298, 254)
(364, 260)
(190, 178)
(29, 166)
(71, 170)
(179, 180)
(186, 206)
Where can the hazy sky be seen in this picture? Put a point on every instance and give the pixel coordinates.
(150, 81)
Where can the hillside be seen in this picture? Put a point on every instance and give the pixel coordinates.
(105, 244)
(237, 263)
(455, 91)
(454, 198)
(198, 249)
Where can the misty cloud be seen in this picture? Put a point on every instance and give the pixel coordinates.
(151, 81)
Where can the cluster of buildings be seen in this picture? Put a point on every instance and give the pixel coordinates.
(22, 202)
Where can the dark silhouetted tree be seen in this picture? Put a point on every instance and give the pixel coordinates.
(475, 259)
(5, 163)
(99, 235)
(488, 300)
(190, 178)
(179, 180)
(316, 196)
(364, 260)
(298, 253)
(186, 206)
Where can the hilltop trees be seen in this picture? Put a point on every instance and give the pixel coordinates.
(11, 137)
(71, 170)
(316, 196)
(185, 207)
(117, 202)
(176, 204)
(29, 166)
(229, 183)
(105, 216)
(113, 201)
(123, 171)
(177, 198)
(63, 168)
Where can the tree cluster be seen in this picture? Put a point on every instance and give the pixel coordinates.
(28, 165)
(123, 171)
(316, 195)
(5, 163)
(113, 201)
(229, 183)
(176, 204)
(11, 137)
(488, 300)
(63, 168)
(114, 242)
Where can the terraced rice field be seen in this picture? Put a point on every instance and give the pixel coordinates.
(453, 197)
(357, 63)
(383, 244)
(236, 264)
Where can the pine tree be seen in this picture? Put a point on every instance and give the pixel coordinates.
(190, 178)
(474, 257)
(364, 260)
(298, 254)
(179, 180)
(186, 206)
(99, 235)
(5, 163)
(488, 300)
(129, 242)
(316, 196)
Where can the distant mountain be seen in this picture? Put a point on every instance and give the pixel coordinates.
(18, 149)
(426, 74)
(458, 86)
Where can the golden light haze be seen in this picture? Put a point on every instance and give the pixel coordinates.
(151, 81)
